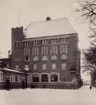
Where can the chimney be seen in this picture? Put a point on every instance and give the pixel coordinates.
(48, 18)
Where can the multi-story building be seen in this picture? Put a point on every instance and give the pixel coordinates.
(50, 54)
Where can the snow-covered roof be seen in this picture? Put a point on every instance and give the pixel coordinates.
(10, 70)
(49, 28)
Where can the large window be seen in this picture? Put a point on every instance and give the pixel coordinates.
(54, 77)
(35, 78)
(44, 78)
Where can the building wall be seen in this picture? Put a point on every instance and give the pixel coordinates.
(24, 53)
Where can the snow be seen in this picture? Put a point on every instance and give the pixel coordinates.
(82, 96)
(51, 27)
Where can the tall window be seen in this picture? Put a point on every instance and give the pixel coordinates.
(53, 66)
(63, 48)
(53, 49)
(26, 51)
(63, 66)
(35, 50)
(13, 78)
(35, 67)
(44, 66)
(44, 50)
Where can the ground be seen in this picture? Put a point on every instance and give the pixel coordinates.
(82, 96)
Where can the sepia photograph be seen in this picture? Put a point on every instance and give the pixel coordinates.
(47, 52)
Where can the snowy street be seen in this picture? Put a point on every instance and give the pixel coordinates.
(82, 96)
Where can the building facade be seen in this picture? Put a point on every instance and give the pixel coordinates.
(52, 58)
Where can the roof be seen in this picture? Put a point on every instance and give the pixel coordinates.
(10, 70)
(49, 28)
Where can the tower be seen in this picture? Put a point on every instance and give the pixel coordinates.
(17, 47)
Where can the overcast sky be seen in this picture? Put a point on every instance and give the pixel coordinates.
(37, 10)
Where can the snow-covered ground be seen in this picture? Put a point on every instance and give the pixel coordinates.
(82, 96)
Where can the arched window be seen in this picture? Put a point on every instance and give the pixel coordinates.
(44, 78)
(53, 57)
(35, 58)
(35, 78)
(54, 77)
(63, 56)
(44, 58)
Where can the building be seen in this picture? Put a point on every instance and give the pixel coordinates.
(50, 54)
(6, 62)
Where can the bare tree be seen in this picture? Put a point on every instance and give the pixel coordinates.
(88, 13)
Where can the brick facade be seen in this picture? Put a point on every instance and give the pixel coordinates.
(64, 51)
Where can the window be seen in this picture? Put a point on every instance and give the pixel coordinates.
(35, 78)
(26, 67)
(53, 66)
(53, 49)
(44, 58)
(15, 44)
(44, 66)
(1, 76)
(26, 58)
(16, 79)
(53, 57)
(13, 78)
(63, 66)
(44, 78)
(35, 58)
(54, 77)
(63, 56)
(17, 67)
(35, 66)
(19, 78)
(63, 48)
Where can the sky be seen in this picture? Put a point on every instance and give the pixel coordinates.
(14, 13)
